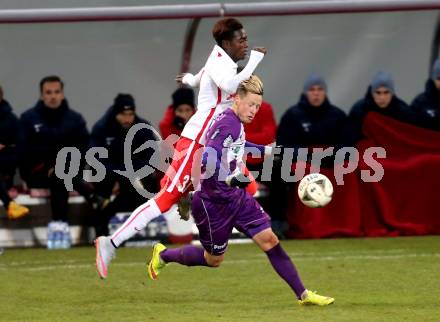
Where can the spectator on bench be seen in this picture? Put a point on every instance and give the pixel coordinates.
(110, 132)
(178, 113)
(313, 121)
(47, 127)
(426, 105)
(9, 135)
(380, 98)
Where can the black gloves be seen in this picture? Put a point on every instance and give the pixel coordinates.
(238, 180)
(179, 122)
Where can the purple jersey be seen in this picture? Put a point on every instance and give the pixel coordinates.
(223, 154)
(217, 208)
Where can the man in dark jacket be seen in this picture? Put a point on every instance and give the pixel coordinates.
(9, 135)
(47, 127)
(312, 122)
(380, 98)
(110, 132)
(426, 106)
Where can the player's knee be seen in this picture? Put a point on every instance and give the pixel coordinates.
(214, 261)
(269, 240)
(164, 203)
(273, 239)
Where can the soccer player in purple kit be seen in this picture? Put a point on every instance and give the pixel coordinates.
(221, 204)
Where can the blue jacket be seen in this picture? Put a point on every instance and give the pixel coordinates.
(46, 131)
(426, 107)
(397, 109)
(108, 133)
(9, 136)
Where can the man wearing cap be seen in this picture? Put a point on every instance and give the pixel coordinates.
(110, 132)
(426, 106)
(178, 113)
(380, 98)
(313, 121)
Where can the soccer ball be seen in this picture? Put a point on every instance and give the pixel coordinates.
(315, 190)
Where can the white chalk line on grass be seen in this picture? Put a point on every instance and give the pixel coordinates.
(293, 254)
(61, 261)
(258, 258)
(69, 266)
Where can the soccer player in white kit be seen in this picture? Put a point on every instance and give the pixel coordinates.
(218, 81)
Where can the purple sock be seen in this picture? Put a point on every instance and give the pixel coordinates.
(285, 268)
(187, 255)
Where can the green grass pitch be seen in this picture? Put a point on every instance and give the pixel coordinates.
(394, 279)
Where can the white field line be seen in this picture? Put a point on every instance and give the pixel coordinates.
(292, 254)
(55, 262)
(82, 265)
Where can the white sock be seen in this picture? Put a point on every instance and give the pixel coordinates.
(304, 295)
(137, 221)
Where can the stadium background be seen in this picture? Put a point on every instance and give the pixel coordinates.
(374, 279)
(97, 60)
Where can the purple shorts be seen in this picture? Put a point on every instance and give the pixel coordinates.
(215, 220)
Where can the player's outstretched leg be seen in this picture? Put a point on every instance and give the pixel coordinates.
(137, 221)
(105, 251)
(187, 255)
(287, 271)
(285, 268)
(106, 245)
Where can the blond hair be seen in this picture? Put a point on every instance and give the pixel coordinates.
(251, 85)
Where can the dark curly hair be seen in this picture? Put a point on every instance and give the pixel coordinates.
(224, 29)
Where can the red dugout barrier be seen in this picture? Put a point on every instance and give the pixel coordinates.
(403, 202)
(342, 217)
(406, 197)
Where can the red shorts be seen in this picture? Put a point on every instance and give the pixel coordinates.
(180, 174)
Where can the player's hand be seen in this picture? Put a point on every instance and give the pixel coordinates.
(238, 180)
(179, 78)
(260, 49)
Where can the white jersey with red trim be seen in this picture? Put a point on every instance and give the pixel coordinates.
(218, 84)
